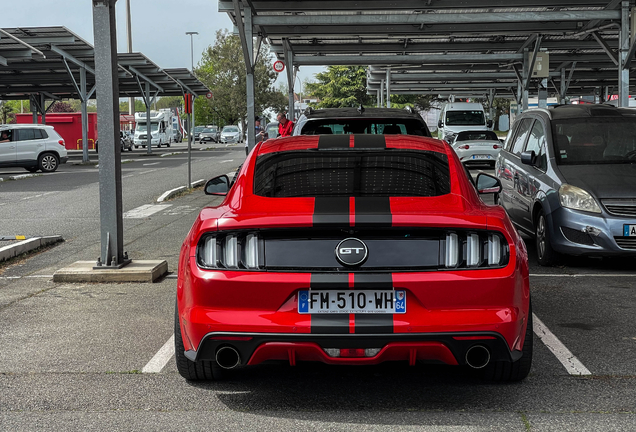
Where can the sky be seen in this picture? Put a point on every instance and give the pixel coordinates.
(159, 27)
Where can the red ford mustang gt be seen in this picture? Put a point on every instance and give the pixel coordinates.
(353, 250)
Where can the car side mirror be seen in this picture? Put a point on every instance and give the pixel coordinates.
(528, 158)
(218, 185)
(440, 124)
(488, 184)
(489, 124)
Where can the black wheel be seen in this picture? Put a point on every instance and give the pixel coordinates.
(143, 146)
(192, 371)
(130, 149)
(31, 169)
(545, 254)
(48, 162)
(137, 146)
(168, 145)
(159, 145)
(515, 371)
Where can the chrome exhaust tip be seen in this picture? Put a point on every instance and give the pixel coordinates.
(477, 356)
(227, 357)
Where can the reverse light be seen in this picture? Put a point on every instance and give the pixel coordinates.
(230, 252)
(494, 250)
(575, 198)
(352, 352)
(474, 250)
(209, 252)
(251, 251)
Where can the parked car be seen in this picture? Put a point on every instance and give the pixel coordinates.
(31, 146)
(197, 130)
(230, 134)
(271, 130)
(338, 121)
(207, 134)
(124, 142)
(477, 147)
(568, 180)
(217, 132)
(374, 248)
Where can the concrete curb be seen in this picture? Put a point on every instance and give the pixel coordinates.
(20, 176)
(173, 192)
(28, 245)
(172, 154)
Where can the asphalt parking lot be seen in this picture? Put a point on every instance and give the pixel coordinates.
(100, 356)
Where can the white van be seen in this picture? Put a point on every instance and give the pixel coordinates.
(161, 128)
(458, 117)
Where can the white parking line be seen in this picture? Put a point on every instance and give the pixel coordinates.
(145, 211)
(564, 355)
(159, 361)
(154, 163)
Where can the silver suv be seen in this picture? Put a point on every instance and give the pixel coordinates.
(31, 146)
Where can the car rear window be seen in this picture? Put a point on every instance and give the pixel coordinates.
(347, 126)
(477, 136)
(313, 173)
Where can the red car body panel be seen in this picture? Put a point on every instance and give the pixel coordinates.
(486, 303)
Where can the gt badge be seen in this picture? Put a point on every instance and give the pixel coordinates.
(351, 252)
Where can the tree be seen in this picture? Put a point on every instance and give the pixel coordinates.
(5, 111)
(170, 102)
(222, 70)
(341, 86)
(62, 107)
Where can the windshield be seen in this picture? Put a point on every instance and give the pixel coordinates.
(465, 118)
(379, 173)
(198, 128)
(141, 127)
(230, 129)
(348, 126)
(206, 131)
(608, 140)
(477, 136)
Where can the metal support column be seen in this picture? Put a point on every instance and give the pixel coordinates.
(43, 107)
(84, 100)
(381, 93)
(148, 103)
(623, 66)
(563, 88)
(377, 98)
(290, 78)
(247, 43)
(388, 87)
(34, 108)
(491, 101)
(107, 82)
(525, 76)
(190, 146)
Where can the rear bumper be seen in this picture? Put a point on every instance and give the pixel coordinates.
(64, 159)
(447, 348)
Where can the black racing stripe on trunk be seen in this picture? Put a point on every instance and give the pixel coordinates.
(330, 323)
(369, 141)
(331, 211)
(373, 211)
(373, 323)
(333, 141)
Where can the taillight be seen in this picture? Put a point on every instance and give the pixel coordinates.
(474, 250)
(464, 147)
(61, 142)
(496, 146)
(229, 251)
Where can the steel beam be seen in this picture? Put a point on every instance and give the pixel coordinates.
(72, 59)
(437, 18)
(110, 190)
(245, 29)
(404, 59)
(609, 51)
(623, 73)
(289, 64)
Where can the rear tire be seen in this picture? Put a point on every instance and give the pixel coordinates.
(515, 371)
(48, 162)
(203, 370)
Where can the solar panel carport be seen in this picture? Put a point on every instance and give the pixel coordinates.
(451, 47)
(51, 63)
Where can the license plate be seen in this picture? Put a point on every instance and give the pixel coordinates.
(629, 230)
(358, 301)
(481, 156)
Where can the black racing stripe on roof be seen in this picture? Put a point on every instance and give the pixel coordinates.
(373, 211)
(330, 323)
(369, 141)
(333, 141)
(331, 211)
(373, 323)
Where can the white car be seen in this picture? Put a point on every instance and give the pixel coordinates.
(31, 146)
(230, 134)
(477, 147)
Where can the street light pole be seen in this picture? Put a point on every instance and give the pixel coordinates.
(191, 137)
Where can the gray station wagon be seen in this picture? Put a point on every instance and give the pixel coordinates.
(568, 178)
